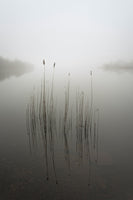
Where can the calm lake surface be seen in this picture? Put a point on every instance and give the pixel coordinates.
(67, 166)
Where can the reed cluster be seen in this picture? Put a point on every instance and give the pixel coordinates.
(76, 123)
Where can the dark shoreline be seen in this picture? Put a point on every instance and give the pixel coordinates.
(16, 68)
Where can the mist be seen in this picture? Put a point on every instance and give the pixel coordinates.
(70, 33)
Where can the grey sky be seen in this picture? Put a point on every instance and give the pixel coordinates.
(71, 33)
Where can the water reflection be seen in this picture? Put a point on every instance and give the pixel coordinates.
(68, 156)
(73, 126)
(13, 68)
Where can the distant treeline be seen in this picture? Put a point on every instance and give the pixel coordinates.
(119, 66)
(13, 68)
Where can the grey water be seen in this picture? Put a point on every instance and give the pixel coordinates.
(60, 167)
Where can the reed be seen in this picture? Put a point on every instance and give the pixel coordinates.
(66, 102)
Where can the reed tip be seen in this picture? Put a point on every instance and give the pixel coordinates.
(91, 72)
(54, 64)
(43, 62)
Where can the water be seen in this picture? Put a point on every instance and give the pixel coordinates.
(31, 168)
